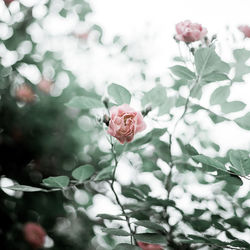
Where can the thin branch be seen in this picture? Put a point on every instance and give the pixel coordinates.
(117, 197)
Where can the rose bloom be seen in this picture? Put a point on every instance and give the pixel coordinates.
(45, 85)
(7, 2)
(189, 32)
(34, 234)
(125, 122)
(147, 246)
(245, 29)
(24, 93)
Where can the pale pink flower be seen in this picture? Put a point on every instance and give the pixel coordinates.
(24, 93)
(45, 85)
(34, 234)
(189, 32)
(125, 122)
(245, 29)
(147, 246)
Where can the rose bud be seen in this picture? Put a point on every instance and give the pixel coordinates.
(24, 93)
(245, 29)
(45, 85)
(124, 123)
(189, 32)
(146, 246)
(34, 234)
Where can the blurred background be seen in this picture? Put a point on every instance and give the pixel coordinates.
(51, 51)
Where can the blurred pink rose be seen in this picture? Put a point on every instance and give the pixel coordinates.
(189, 32)
(146, 246)
(7, 2)
(45, 85)
(34, 234)
(245, 29)
(125, 122)
(24, 93)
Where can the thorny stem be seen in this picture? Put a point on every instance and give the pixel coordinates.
(132, 237)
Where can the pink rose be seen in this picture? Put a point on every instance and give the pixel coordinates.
(245, 29)
(189, 32)
(34, 234)
(24, 93)
(8, 2)
(125, 122)
(146, 246)
(45, 85)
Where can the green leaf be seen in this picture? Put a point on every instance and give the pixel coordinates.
(156, 97)
(5, 71)
(115, 231)
(150, 225)
(244, 121)
(191, 150)
(84, 102)
(120, 94)
(215, 77)
(58, 182)
(151, 238)
(241, 56)
(84, 172)
(125, 246)
(166, 106)
(240, 161)
(105, 174)
(220, 95)
(230, 107)
(207, 61)
(25, 188)
(229, 178)
(109, 217)
(182, 72)
(210, 162)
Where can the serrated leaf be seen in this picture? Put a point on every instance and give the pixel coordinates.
(207, 61)
(150, 225)
(120, 94)
(182, 72)
(84, 102)
(220, 95)
(210, 162)
(57, 182)
(115, 231)
(151, 238)
(84, 172)
(240, 161)
(244, 121)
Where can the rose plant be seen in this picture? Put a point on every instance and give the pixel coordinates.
(142, 130)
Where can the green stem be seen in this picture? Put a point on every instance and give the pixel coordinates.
(132, 237)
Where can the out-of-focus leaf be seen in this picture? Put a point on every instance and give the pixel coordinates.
(82, 173)
(240, 161)
(220, 95)
(182, 72)
(120, 94)
(115, 231)
(84, 102)
(58, 181)
(244, 121)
